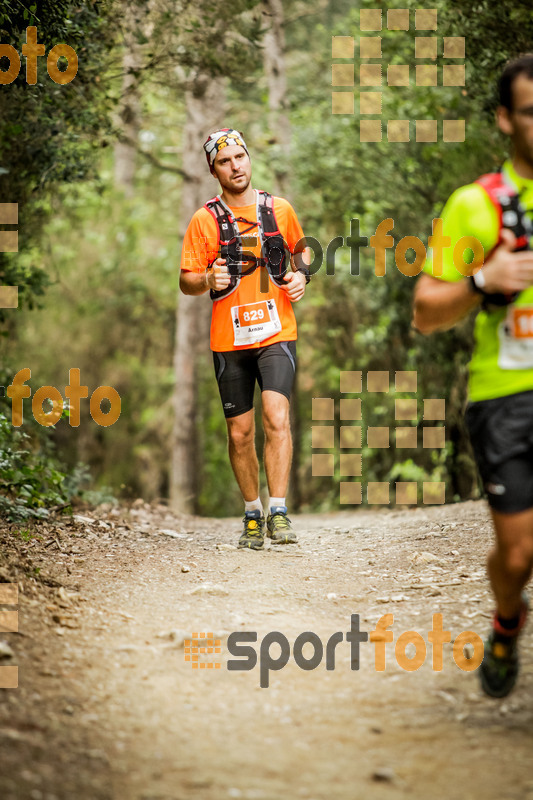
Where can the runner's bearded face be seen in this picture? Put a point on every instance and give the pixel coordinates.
(233, 169)
(518, 123)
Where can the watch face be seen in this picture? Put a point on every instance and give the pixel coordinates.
(478, 279)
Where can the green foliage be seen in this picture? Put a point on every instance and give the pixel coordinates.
(495, 33)
(50, 133)
(33, 480)
(209, 37)
(99, 272)
(350, 322)
(110, 312)
(25, 535)
(30, 480)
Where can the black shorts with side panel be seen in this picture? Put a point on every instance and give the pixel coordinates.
(272, 366)
(501, 432)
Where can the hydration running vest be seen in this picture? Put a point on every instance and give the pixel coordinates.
(273, 247)
(505, 198)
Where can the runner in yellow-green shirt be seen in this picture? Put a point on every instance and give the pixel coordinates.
(498, 211)
(500, 365)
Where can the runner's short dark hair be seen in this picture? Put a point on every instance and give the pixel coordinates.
(519, 66)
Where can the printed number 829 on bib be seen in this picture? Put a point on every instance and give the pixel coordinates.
(254, 322)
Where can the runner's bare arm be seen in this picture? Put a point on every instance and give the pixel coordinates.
(196, 283)
(439, 305)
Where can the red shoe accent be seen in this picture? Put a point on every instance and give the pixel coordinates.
(501, 631)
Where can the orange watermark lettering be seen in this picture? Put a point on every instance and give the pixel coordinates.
(18, 390)
(32, 50)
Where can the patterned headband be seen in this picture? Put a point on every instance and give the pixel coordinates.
(225, 137)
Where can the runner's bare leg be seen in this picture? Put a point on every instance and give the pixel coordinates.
(511, 560)
(242, 454)
(278, 442)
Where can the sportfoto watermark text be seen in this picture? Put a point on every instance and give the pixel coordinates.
(247, 657)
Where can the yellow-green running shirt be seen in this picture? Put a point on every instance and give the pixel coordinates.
(502, 362)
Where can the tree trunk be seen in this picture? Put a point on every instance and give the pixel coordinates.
(278, 116)
(204, 112)
(130, 106)
(280, 139)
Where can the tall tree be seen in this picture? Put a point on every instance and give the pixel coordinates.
(204, 113)
(279, 139)
(279, 126)
(219, 46)
(134, 21)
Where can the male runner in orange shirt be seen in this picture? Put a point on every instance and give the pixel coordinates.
(236, 246)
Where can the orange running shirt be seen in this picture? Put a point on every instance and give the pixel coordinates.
(200, 248)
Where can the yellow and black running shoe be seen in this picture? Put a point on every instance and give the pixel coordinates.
(253, 535)
(279, 527)
(499, 669)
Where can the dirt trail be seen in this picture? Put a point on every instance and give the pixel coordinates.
(108, 707)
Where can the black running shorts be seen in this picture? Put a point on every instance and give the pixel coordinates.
(501, 431)
(273, 366)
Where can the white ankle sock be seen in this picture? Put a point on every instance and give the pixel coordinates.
(276, 501)
(253, 505)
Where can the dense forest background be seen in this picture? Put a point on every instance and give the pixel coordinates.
(107, 171)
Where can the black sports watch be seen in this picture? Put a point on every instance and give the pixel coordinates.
(477, 286)
(491, 300)
(305, 272)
